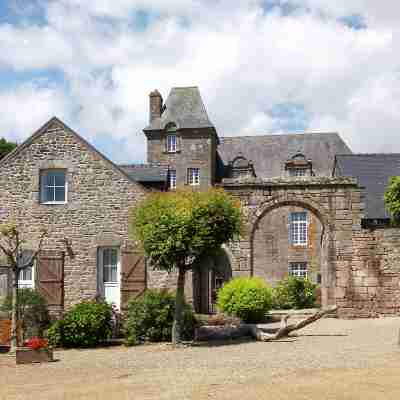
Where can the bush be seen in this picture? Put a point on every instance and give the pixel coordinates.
(294, 293)
(32, 312)
(85, 325)
(150, 318)
(246, 298)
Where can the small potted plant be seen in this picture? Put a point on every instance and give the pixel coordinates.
(35, 350)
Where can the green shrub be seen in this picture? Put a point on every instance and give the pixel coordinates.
(32, 311)
(246, 298)
(85, 325)
(150, 318)
(294, 293)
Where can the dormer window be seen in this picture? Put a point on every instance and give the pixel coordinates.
(298, 172)
(241, 167)
(171, 140)
(298, 166)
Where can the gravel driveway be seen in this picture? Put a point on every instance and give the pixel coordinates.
(331, 359)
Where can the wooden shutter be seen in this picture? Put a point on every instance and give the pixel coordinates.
(50, 277)
(133, 275)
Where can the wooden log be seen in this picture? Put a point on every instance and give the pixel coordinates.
(286, 329)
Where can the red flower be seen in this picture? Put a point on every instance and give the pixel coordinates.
(36, 343)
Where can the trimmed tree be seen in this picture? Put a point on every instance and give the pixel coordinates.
(392, 198)
(11, 244)
(179, 229)
(6, 147)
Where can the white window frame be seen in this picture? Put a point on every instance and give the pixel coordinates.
(299, 228)
(172, 178)
(43, 173)
(194, 176)
(27, 283)
(297, 172)
(172, 143)
(102, 284)
(298, 269)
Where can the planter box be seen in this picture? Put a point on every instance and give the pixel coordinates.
(25, 355)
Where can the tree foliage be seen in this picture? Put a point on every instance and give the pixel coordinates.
(392, 198)
(6, 147)
(179, 229)
(183, 226)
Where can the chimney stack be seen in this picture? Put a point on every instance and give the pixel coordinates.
(156, 103)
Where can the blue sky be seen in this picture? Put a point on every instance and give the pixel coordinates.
(263, 67)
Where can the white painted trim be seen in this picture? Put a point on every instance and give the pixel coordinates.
(27, 284)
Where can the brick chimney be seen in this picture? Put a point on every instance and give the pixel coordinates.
(156, 103)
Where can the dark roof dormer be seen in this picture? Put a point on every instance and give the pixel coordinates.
(298, 166)
(241, 167)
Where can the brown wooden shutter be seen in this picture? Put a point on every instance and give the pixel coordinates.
(133, 275)
(50, 277)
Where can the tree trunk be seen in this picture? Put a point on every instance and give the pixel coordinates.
(177, 327)
(14, 312)
(286, 329)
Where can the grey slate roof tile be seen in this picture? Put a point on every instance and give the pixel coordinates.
(372, 172)
(184, 106)
(270, 152)
(145, 172)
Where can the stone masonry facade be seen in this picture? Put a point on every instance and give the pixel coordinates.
(96, 213)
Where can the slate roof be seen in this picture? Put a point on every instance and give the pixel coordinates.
(372, 172)
(145, 172)
(184, 106)
(270, 152)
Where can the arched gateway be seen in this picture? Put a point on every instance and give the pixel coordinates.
(298, 226)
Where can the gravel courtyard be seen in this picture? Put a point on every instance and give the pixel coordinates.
(331, 359)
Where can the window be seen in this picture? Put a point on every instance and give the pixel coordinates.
(172, 179)
(110, 265)
(298, 269)
(193, 176)
(297, 172)
(298, 228)
(53, 186)
(171, 143)
(25, 278)
(109, 275)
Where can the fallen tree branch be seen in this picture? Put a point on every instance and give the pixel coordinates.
(286, 329)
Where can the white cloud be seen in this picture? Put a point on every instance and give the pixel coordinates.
(244, 60)
(27, 107)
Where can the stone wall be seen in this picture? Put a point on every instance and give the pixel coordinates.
(372, 285)
(96, 214)
(196, 149)
(273, 251)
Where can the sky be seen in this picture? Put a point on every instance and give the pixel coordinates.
(262, 66)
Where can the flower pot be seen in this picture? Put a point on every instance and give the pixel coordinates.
(25, 355)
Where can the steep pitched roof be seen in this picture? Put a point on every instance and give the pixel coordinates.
(270, 152)
(372, 172)
(184, 106)
(145, 172)
(57, 122)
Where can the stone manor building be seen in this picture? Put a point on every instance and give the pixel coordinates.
(312, 209)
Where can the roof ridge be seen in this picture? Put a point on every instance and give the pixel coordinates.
(280, 134)
(368, 154)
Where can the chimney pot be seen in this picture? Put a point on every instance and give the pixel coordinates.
(156, 104)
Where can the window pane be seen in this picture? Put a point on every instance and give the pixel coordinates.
(48, 193)
(26, 274)
(110, 265)
(59, 178)
(172, 179)
(59, 194)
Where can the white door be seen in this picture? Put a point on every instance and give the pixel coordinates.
(109, 275)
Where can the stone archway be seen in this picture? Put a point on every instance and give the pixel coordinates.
(273, 261)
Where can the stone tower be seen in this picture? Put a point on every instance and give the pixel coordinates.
(181, 137)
